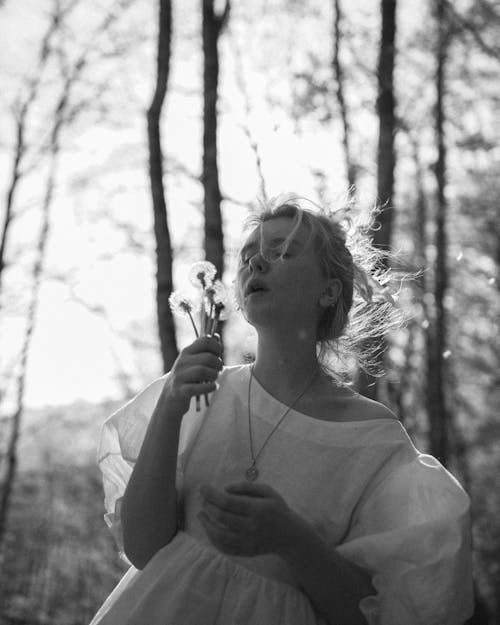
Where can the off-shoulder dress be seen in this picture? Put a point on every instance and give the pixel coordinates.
(363, 485)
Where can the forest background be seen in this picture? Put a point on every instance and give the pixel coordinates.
(136, 136)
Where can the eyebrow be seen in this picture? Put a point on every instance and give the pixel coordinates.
(275, 241)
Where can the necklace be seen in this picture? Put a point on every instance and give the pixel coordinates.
(252, 473)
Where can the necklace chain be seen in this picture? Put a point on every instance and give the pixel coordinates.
(252, 473)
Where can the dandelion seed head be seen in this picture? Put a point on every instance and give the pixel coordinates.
(209, 295)
(181, 304)
(202, 274)
(220, 294)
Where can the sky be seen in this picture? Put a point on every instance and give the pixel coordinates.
(102, 179)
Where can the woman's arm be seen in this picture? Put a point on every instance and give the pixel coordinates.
(334, 585)
(149, 507)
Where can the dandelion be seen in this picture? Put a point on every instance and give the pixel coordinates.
(181, 304)
(202, 274)
(222, 300)
(214, 303)
(218, 305)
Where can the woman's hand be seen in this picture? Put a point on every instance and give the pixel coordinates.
(247, 519)
(194, 372)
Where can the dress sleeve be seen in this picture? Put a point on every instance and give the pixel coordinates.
(121, 440)
(412, 533)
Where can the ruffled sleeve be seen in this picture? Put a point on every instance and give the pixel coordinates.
(412, 533)
(121, 440)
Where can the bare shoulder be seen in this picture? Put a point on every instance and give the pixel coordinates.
(341, 405)
(361, 408)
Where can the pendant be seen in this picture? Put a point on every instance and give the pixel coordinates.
(252, 473)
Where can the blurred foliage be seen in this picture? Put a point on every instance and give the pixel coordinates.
(59, 562)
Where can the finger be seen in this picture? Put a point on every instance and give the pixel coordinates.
(204, 344)
(207, 359)
(235, 522)
(220, 536)
(250, 489)
(199, 388)
(198, 373)
(225, 501)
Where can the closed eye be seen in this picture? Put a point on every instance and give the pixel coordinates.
(272, 255)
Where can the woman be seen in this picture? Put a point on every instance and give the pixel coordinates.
(291, 499)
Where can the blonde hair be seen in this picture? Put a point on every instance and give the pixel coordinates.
(365, 312)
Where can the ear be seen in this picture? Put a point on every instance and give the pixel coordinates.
(331, 293)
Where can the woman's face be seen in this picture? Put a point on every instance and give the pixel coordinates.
(286, 291)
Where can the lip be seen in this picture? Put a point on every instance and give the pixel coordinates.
(255, 283)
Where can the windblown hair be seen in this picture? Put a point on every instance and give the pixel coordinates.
(365, 312)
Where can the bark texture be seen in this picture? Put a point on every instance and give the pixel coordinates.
(212, 25)
(338, 71)
(437, 408)
(386, 158)
(164, 260)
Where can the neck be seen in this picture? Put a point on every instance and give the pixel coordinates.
(283, 366)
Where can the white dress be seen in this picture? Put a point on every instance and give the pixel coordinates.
(393, 511)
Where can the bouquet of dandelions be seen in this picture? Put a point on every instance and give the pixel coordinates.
(211, 300)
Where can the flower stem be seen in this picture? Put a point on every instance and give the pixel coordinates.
(194, 325)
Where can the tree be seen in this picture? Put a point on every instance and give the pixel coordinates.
(437, 408)
(22, 110)
(164, 283)
(386, 157)
(212, 26)
(340, 94)
(67, 109)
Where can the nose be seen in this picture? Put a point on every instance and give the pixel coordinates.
(258, 263)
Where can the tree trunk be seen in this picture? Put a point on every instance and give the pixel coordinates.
(340, 93)
(64, 113)
(436, 398)
(212, 25)
(21, 120)
(386, 158)
(164, 282)
(11, 458)
(16, 176)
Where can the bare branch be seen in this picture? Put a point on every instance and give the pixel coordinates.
(174, 166)
(223, 18)
(22, 108)
(466, 25)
